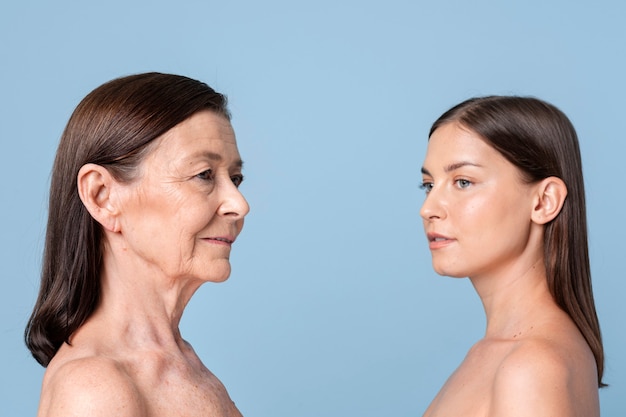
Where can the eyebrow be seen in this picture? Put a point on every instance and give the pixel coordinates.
(238, 163)
(453, 167)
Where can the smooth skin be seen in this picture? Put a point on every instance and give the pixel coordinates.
(166, 233)
(483, 221)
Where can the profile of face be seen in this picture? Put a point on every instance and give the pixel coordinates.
(183, 212)
(477, 211)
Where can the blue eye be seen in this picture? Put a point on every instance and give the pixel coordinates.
(426, 186)
(237, 180)
(463, 183)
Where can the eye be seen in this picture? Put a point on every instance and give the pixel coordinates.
(463, 183)
(426, 186)
(237, 180)
(206, 175)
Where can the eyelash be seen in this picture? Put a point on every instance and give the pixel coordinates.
(237, 180)
(462, 183)
(463, 180)
(208, 176)
(426, 186)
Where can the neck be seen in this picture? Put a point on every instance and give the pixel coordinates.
(513, 299)
(141, 307)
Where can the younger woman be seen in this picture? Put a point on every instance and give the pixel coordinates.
(505, 207)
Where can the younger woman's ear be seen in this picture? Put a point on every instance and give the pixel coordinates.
(95, 185)
(550, 195)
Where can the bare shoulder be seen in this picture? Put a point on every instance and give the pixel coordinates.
(542, 377)
(92, 386)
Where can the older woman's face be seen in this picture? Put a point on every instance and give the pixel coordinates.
(182, 215)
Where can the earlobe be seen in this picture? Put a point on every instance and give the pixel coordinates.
(95, 185)
(550, 197)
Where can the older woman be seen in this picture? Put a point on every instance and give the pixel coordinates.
(144, 208)
(505, 206)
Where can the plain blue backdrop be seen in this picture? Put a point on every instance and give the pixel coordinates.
(332, 308)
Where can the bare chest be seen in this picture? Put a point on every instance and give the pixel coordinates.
(185, 392)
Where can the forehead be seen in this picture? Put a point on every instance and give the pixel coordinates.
(453, 143)
(203, 133)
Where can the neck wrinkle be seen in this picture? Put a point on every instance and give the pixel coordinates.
(142, 308)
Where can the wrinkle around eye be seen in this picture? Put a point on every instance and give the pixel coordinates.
(206, 175)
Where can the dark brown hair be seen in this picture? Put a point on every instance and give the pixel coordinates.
(541, 142)
(112, 127)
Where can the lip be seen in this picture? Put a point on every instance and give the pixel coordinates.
(221, 240)
(438, 241)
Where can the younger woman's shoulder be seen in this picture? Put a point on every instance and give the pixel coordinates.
(89, 386)
(546, 377)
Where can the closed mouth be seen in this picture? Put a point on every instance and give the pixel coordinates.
(221, 239)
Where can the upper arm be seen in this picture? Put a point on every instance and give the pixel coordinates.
(91, 388)
(533, 381)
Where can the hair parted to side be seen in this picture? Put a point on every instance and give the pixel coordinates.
(112, 127)
(541, 142)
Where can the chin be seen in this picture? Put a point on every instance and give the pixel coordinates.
(220, 279)
(218, 273)
(448, 272)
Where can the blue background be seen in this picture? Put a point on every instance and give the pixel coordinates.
(332, 308)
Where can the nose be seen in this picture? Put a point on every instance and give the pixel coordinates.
(234, 204)
(433, 207)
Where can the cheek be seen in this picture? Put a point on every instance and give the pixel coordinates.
(475, 213)
(487, 218)
(505, 222)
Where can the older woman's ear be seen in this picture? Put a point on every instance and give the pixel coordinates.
(550, 194)
(95, 188)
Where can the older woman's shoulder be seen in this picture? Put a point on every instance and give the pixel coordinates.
(89, 386)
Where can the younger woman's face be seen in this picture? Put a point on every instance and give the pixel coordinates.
(477, 209)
